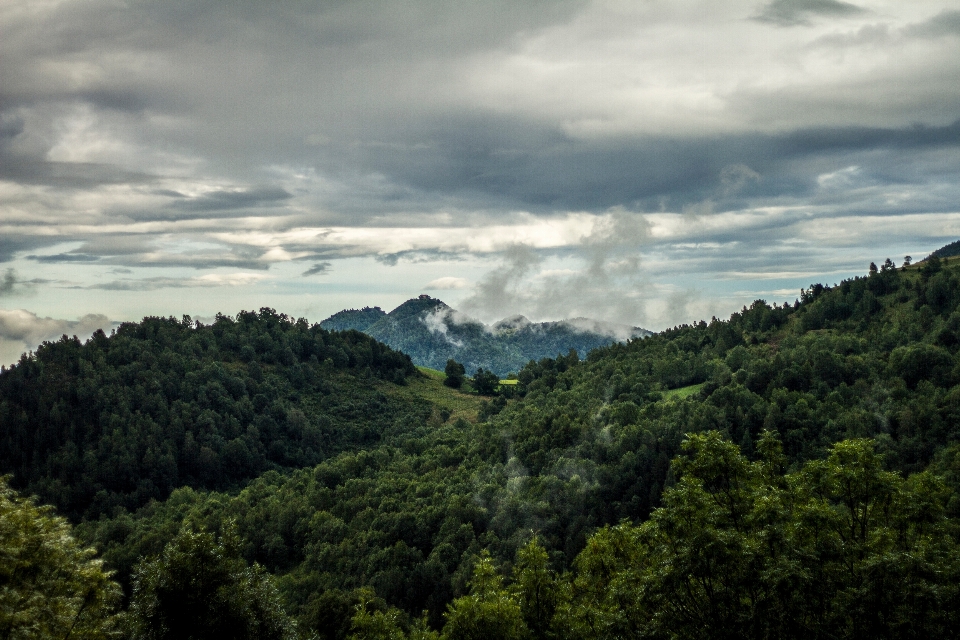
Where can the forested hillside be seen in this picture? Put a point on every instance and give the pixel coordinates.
(164, 403)
(357, 319)
(431, 332)
(790, 472)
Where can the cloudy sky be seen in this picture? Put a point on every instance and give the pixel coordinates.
(648, 162)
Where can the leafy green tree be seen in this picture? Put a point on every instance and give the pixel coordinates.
(839, 549)
(485, 382)
(455, 374)
(201, 587)
(884, 554)
(602, 600)
(719, 555)
(50, 586)
(490, 612)
(372, 623)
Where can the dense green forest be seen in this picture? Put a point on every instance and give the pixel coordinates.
(792, 471)
(431, 333)
(166, 403)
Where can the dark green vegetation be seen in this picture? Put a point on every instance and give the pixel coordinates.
(356, 319)
(948, 251)
(201, 587)
(790, 472)
(455, 374)
(163, 403)
(432, 333)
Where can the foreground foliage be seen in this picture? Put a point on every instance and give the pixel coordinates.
(50, 585)
(200, 587)
(838, 549)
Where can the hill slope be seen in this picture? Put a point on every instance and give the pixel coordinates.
(432, 332)
(947, 251)
(164, 403)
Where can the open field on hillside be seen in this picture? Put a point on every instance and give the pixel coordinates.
(461, 403)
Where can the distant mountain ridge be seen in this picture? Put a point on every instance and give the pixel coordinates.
(431, 332)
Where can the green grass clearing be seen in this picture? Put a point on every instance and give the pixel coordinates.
(461, 403)
(682, 392)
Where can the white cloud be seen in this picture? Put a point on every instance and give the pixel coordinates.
(155, 283)
(21, 331)
(448, 283)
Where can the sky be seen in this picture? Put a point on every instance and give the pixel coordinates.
(647, 162)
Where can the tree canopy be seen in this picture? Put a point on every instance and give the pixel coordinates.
(200, 587)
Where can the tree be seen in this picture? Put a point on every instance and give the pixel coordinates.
(490, 612)
(485, 382)
(455, 374)
(371, 623)
(201, 587)
(50, 587)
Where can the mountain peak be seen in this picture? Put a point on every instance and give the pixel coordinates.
(430, 332)
(414, 306)
(512, 323)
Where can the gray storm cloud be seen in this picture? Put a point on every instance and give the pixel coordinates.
(11, 284)
(8, 282)
(284, 137)
(800, 12)
(318, 268)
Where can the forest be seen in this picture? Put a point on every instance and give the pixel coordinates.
(789, 472)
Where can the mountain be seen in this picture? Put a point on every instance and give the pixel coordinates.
(747, 447)
(432, 332)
